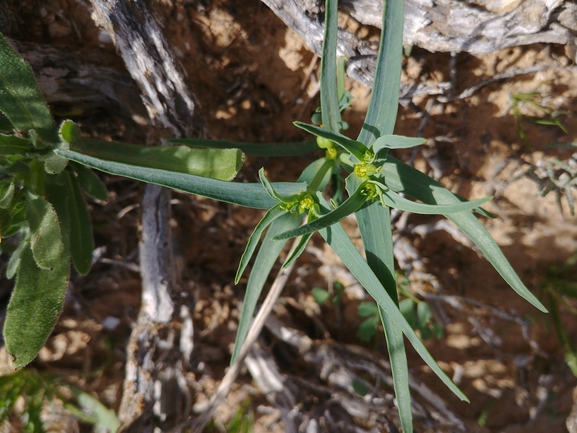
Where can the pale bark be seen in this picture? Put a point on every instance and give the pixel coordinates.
(155, 390)
(476, 27)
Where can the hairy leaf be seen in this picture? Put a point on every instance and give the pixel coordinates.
(34, 307)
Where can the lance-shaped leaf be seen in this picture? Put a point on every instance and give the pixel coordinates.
(349, 206)
(265, 259)
(271, 191)
(34, 307)
(375, 227)
(403, 178)
(302, 244)
(382, 112)
(45, 237)
(355, 148)
(90, 183)
(244, 194)
(268, 218)
(221, 164)
(20, 98)
(252, 149)
(338, 240)
(396, 142)
(393, 199)
(330, 111)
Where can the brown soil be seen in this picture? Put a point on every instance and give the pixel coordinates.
(252, 77)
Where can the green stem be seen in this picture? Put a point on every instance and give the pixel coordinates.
(320, 175)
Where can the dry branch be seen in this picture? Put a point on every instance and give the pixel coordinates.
(155, 390)
(476, 27)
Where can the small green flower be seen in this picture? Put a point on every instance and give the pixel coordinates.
(365, 170)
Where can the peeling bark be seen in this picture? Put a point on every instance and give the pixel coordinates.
(476, 27)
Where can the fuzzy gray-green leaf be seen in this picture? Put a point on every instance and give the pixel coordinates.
(221, 164)
(20, 98)
(252, 149)
(34, 307)
(45, 237)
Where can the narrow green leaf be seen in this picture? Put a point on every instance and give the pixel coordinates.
(393, 199)
(268, 218)
(330, 111)
(265, 259)
(6, 192)
(34, 307)
(244, 194)
(396, 142)
(45, 237)
(355, 148)
(384, 104)
(89, 182)
(221, 164)
(375, 227)
(20, 98)
(349, 206)
(338, 240)
(81, 237)
(300, 248)
(252, 149)
(267, 185)
(403, 178)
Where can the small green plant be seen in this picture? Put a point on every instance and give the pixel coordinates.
(416, 312)
(559, 287)
(543, 114)
(321, 295)
(375, 182)
(558, 177)
(37, 391)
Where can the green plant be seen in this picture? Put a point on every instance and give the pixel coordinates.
(41, 200)
(37, 390)
(321, 295)
(375, 181)
(559, 287)
(558, 177)
(522, 102)
(416, 312)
